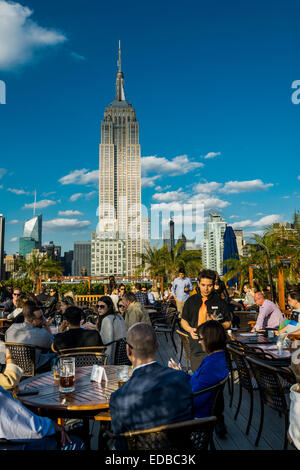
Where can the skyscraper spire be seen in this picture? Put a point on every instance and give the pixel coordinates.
(120, 94)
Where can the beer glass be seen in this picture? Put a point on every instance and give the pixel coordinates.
(67, 374)
(122, 376)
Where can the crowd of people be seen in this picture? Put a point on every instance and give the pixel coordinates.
(151, 396)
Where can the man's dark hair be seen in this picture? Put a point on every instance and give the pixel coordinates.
(213, 334)
(182, 270)
(294, 293)
(28, 310)
(138, 286)
(129, 296)
(142, 338)
(73, 315)
(207, 274)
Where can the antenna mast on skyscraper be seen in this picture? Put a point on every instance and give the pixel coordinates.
(119, 61)
(34, 203)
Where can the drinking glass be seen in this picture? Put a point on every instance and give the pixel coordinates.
(67, 374)
(122, 376)
(57, 322)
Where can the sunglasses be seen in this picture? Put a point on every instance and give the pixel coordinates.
(18, 295)
(200, 338)
(101, 306)
(131, 347)
(121, 306)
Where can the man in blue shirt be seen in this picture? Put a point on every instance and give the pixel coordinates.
(181, 289)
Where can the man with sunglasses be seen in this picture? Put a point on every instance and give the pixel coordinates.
(11, 304)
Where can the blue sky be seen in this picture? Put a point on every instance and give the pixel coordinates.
(211, 82)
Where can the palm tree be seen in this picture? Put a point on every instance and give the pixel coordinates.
(38, 267)
(190, 260)
(151, 261)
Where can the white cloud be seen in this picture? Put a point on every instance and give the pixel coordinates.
(234, 217)
(14, 239)
(209, 202)
(76, 196)
(82, 176)
(13, 222)
(49, 194)
(69, 213)
(207, 187)
(177, 166)
(148, 182)
(2, 172)
(20, 37)
(267, 220)
(18, 191)
(76, 56)
(170, 196)
(40, 205)
(64, 225)
(212, 155)
(234, 187)
(242, 224)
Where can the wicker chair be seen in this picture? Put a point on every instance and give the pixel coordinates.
(188, 435)
(167, 325)
(120, 357)
(218, 389)
(185, 346)
(23, 356)
(86, 356)
(271, 391)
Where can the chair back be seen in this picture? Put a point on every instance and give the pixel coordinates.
(120, 357)
(217, 389)
(88, 356)
(238, 356)
(184, 338)
(23, 356)
(188, 435)
(269, 383)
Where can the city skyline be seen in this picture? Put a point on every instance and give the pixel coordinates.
(213, 99)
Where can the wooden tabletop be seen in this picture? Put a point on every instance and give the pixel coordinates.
(88, 398)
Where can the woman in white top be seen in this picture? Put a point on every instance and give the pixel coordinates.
(115, 297)
(111, 325)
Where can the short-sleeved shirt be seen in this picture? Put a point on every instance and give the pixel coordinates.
(215, 305)
(76, 338)
(269, 316)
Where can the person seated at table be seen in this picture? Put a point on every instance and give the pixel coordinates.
(249, 296)
(150, 295)
(12, 373)
(292, 326)
(50, 305)
(35, 331)
(122, 290)
(269, 316)
(140, 296)
(110, 324)
(213, 368)
(154, 395)
(115, 296)
(74, 336)
(11, 304)
(28, 431)
(135, 312)
(294, 414)
(6, 294)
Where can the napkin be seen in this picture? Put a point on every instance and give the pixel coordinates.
(98, 374)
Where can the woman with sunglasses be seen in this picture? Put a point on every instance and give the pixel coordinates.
(110, 325)
(213, 368)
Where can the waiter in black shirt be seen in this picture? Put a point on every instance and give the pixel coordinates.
(201, 307)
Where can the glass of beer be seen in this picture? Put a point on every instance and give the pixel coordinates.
(67, 374)
(55, 370)
(122, 376)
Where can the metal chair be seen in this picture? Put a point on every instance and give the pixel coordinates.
(167, 325)
(88, 356)
(217, 389)
(271, 391)
(23, 356)
(120, 357)
(185, 346)
(188, 435)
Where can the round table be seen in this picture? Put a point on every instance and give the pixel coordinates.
(88, 399)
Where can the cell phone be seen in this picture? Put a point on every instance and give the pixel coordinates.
(28, 391)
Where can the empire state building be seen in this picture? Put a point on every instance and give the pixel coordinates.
(118, 237)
